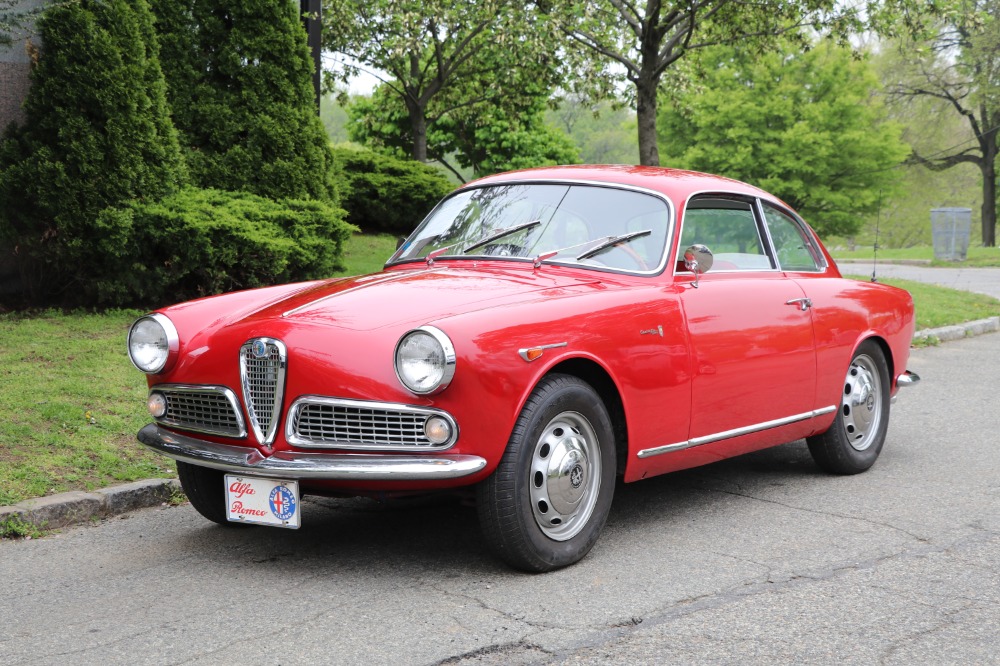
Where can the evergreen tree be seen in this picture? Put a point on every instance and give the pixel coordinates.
(97, 135)
(239, 79)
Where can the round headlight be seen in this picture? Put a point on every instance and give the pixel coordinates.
(152, 343)
(425, 360)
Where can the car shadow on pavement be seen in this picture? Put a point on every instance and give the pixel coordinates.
(409, 536)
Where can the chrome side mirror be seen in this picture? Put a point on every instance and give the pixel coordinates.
(698, 259)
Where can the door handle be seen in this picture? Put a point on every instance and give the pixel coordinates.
(803, 303)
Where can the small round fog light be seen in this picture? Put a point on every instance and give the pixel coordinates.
(156, 403)
(437, 429)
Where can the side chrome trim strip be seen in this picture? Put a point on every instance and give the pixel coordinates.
(294, 465)
(735, 432)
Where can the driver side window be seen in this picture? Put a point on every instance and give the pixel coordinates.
(729, 229)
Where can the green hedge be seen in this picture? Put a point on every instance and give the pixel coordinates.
(387, 194)
(210, 241)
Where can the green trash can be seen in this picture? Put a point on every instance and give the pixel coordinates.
(951, 233)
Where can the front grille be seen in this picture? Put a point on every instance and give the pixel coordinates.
(262, 373)
(207, 409)
(314, 421)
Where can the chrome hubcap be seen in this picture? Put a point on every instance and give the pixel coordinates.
(565, 476)
(861, 409)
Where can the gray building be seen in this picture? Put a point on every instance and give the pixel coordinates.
(15, 64)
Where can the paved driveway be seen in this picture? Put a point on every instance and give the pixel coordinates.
(980, 280)
(757, 560)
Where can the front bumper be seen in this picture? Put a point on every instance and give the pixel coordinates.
(293, 465)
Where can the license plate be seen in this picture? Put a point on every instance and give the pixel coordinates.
(263, 501)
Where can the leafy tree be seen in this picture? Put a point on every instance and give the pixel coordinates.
(465, 52)
(958, 66)
(484, 137)
(97, 135)
(618, 41)
(803, 126)
(239, 82)
(603, 133)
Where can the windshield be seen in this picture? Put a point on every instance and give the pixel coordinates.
(580, 224)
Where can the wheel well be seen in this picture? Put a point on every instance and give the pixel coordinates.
(887, 353)
(601, 381)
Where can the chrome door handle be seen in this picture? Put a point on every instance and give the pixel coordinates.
(803, 303)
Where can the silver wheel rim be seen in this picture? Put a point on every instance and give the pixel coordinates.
(565, 476)
(861, 408)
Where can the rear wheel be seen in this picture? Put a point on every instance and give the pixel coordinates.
(206, 489)
(854, 440)
(545, 504)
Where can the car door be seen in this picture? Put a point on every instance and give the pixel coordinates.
(752, 351)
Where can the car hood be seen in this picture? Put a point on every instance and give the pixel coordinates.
(407, 295)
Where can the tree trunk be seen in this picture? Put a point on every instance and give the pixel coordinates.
(989, 218)
(649, 152)
(418, 125)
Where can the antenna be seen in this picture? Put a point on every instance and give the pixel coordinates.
(878, 217)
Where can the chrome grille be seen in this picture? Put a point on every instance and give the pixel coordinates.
(315, 421)
(208, 409)
(262, 374)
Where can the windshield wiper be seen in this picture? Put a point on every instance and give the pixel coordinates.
(611, 241)
(500, 233)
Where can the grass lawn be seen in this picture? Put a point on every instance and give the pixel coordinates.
(72, 403)
(976, 256)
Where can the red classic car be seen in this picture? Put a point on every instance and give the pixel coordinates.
(540, 334)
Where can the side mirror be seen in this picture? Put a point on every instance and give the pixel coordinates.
(698, 259)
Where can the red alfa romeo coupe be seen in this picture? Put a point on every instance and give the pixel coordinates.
(539, 334)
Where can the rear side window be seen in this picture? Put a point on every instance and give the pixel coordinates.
(795, 249)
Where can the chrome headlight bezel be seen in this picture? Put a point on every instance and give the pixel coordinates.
(445, 369)
(168, 341)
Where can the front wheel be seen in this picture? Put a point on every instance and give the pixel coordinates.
(206, 490)
(545, 504)
(854, 440)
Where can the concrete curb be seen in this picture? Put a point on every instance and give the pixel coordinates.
(966, 330)
(74, 508)
(77, 507)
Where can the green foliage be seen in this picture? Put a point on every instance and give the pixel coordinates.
(97, 135)
(387, 194)
(601, 132)
(802, 125)
(13, 527)
(485, 137)
(212, 241)
(239, 77)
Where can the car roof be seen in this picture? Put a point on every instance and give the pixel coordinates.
(677, 184)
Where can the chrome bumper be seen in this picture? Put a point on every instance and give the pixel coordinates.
(904, 380)
(292, 465)
(907, 379)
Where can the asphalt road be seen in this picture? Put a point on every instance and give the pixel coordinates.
(761, 559)
(981, 280)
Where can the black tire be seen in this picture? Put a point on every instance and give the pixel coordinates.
(205, 488)
(855, 438)
(544, 506)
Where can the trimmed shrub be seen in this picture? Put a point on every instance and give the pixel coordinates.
(387, 194)
(239, 80)
(97, 136)
(201, 242)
